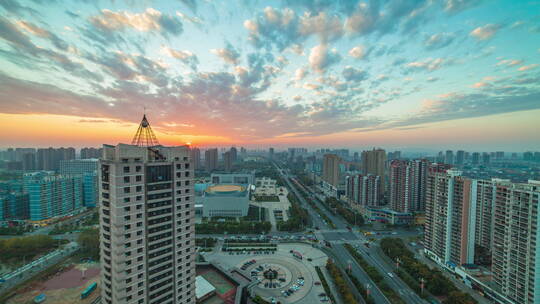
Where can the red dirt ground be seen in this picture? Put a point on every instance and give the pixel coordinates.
(70, 278)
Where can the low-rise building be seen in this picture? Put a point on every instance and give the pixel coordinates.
(225, 200)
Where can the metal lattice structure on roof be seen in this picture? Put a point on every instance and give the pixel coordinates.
(145, 137)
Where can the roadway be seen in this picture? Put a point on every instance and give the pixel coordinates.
(345, 236)
(341, 253)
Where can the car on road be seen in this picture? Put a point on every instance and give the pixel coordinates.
(390, 275)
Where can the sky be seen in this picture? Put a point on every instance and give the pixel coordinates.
(432, 74)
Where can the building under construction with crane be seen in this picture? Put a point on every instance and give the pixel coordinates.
(147, 222)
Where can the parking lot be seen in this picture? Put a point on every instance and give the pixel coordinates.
(287, 276)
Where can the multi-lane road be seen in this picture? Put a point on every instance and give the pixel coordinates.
(343, 235)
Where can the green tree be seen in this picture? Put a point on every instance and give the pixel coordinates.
(89, 242)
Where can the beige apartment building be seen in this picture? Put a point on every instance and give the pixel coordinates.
(147, 225)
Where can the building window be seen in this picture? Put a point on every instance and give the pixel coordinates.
(126, 179)
(138, 168)
(126, 169)
(127, 189)
(138, 178)
(158, 173)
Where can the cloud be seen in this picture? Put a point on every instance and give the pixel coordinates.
(27, 97)
(13, 6)
(353, 74)
(432, 79)
(384, 18)
(228, 54)
(185, 17)
(328, 28)
(485, 32)
(429, 64)
(274, 28)
(320, 58)
(281, 29)
(509, 62)
(300, 73)
(147, 21)
(40, 32)
(358, 52)
(186, 57)
(124, 66)
(437, 41)
(527, 67)
(491, 100)
(28, 54)
(456, 6)
(479, 85)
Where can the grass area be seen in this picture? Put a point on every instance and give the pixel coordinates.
(233, 227)
(205, 242)
(325, 284)
(254, 213)
(266, 198)
(298, 216)
(375, 276)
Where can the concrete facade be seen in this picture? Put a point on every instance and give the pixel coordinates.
(147, 225)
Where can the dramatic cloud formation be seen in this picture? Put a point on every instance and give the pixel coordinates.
(149, 20)
(254, 73)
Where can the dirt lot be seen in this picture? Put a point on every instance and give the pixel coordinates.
(63, 287)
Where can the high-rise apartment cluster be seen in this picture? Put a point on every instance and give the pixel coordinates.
(498, 215)
(211, 159)
(52, 195)
(374, 162)
(408, 185)
(363, 190)
(147, 224)
(331, 172)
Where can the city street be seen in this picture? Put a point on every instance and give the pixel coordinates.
(343, 235)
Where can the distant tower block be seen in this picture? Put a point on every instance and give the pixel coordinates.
(145, 137)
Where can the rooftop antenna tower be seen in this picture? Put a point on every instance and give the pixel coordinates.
(145, 137)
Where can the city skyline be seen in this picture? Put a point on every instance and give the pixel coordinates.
(411, 74)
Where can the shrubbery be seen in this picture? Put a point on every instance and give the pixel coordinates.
(348, 215)
(436, 283)
(233, 227)
(343, 288)
(298, 216)
(26, 247)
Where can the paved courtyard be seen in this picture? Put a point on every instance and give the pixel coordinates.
(278, 272)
